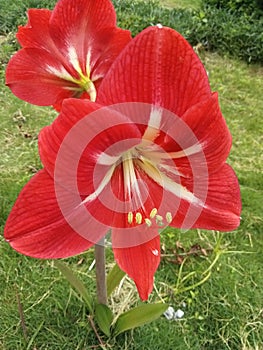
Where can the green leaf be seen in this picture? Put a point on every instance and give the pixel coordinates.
(104, 318)
(114, 278)
(139, 316)
(75, 283)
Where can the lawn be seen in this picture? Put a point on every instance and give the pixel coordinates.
(38, 309)
(181, 3)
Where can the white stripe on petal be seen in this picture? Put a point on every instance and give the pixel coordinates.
(105, 159)
(155, 117)
(101, 187)
(168, 184)
(187, 151)
(60, 73)
(73, 58)
(88, 67)
(97, 76)
(153, 129)
(159, 155)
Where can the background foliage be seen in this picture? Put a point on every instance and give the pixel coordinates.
(249, 7)
(232, 27)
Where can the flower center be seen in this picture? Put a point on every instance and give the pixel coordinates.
(136, 158)
(87, 85)
(78, 85)
(84, 81)
(146, 160)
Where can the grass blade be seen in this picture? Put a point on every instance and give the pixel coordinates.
(75, 283)
(114, 278)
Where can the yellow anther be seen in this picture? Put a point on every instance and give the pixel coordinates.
(153, 213)
(169, 217)
(130, 217)
(159, 220)
(138, 218)
(148, 222)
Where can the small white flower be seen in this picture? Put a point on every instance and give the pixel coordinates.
(171, 314)
(179, 314)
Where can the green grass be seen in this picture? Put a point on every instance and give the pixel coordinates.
(224, 313)
(194, 4)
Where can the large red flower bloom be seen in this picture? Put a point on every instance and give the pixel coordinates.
(154, 156)
(66, 52)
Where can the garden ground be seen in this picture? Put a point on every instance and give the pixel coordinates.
(40, 311)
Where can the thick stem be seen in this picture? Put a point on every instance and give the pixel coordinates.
(101, 273)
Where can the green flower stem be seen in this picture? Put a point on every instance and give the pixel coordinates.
(101, 273)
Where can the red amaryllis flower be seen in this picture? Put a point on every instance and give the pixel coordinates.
(155, 157)
(65, 52)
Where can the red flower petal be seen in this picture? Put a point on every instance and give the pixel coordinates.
(157, 67)
(209, 126)
(77, 138)
(200, 139)
(88, 27)
(139, 262)
(71, 21)
(105, 49)
(51, 137)
(38, 22)
(221, 208)
(36, 226)
(29, 75)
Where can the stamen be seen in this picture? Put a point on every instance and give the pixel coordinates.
(138, 218)
(130, 181)
(159, 220)
(153, 213)
(127, 177)
(148, 222)
(169, 217)
(130, 217)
